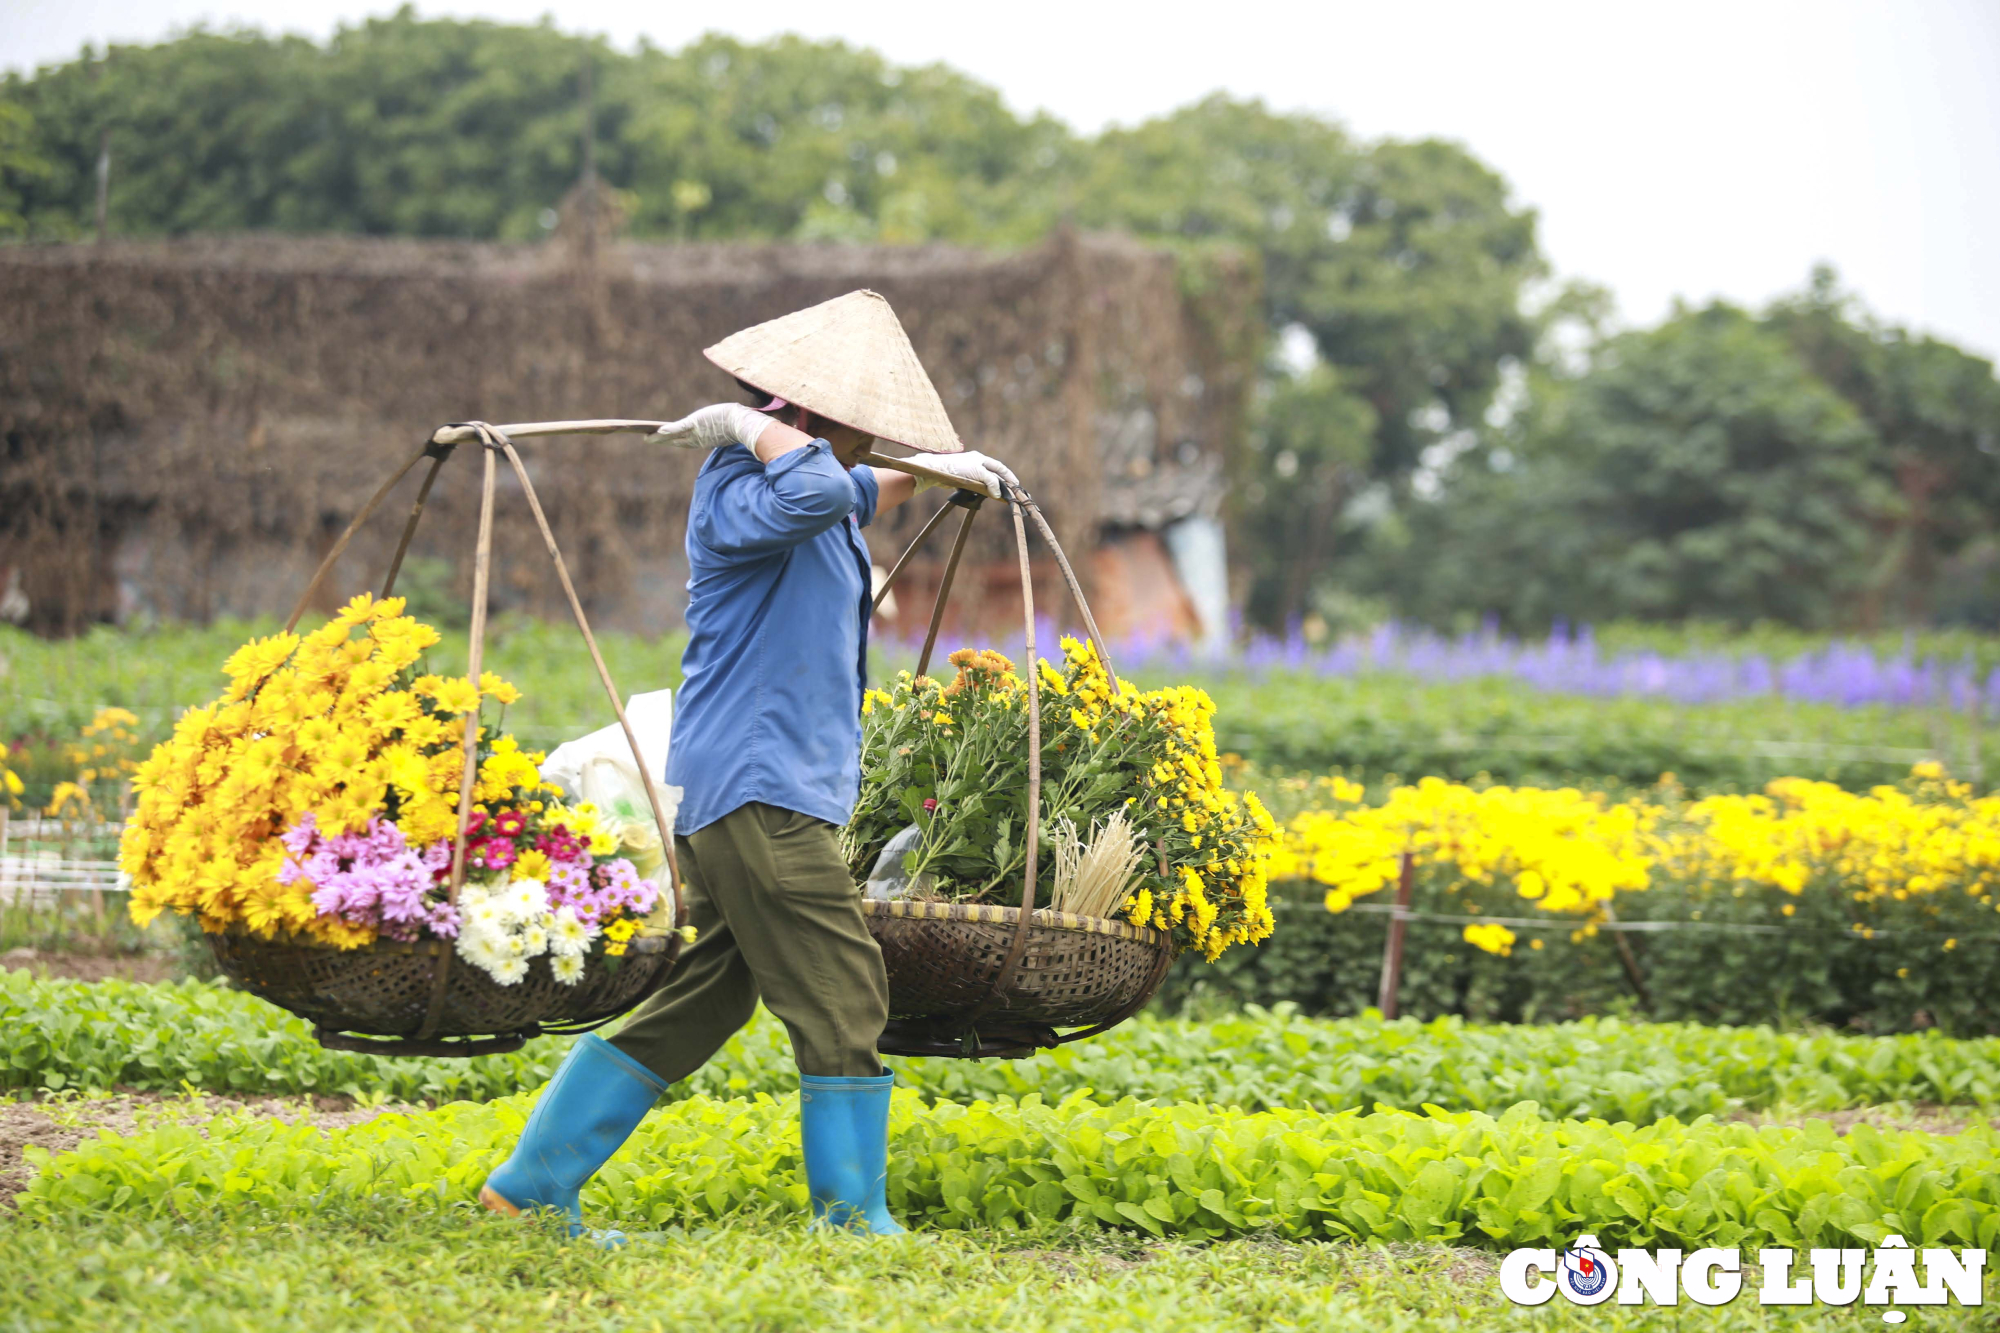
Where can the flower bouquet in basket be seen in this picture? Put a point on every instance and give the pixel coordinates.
(317, 799)
(1135, 821)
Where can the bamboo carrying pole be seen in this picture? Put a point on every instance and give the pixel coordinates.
(410, 528)
(929, 526)
(367, 510)
(460, 433)
(1075, 592)
(944, 592)
(1021, 506)
(603, 675)
(482, 570)
(1017, 501)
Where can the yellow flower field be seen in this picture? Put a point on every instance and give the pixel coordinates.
(1928, 843)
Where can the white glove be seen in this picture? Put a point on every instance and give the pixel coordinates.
(969, 471)
(714, 427)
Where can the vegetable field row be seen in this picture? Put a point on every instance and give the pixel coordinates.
(1185, 1170)
(62, 1034)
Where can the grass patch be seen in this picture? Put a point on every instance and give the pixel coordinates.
(383, 1267)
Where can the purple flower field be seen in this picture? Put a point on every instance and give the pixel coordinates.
(1848, 675)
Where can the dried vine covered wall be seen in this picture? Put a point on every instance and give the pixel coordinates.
(187, 425)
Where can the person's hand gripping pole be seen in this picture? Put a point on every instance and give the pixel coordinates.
(714, 427)
(969, 471)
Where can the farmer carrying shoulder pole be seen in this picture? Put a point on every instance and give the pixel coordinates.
(767, 745)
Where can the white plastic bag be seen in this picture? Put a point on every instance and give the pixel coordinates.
(599, 769)
(890, 882)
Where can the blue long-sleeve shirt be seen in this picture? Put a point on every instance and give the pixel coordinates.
(778, 609)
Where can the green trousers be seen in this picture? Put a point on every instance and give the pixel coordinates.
(778, 918)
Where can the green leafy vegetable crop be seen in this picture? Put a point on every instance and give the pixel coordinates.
(64, 1034)
(1183, 1170)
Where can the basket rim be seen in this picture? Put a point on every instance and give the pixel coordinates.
(908, 909)
(430, 948)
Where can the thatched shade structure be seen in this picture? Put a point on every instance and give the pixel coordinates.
(188, 424)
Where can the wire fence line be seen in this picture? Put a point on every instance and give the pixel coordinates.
(40, 860)
(39, 866)
(50, 830)
(44, 880)
(1395, 913)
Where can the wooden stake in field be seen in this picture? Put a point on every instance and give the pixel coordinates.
(1392, 950)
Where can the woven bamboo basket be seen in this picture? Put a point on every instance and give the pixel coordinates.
(944, 958)
(356, 997)
(397, 998)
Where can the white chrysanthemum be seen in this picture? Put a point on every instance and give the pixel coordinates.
(481, 950)
(569, 937)
(512, 946)
(536, 938)
(568, 968)
(484, 919)
(510, 971)
(484, 923)
(524, 900)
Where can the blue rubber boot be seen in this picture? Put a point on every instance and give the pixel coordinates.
(595, 1101)
(844, 1127)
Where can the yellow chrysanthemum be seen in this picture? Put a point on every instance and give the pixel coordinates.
(259, 658)
(454, 695)
(497, 689)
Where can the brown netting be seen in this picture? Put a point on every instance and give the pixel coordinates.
(190, 421)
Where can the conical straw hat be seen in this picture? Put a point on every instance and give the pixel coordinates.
(849, 360)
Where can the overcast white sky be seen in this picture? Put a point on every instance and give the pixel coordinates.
(1691, 149)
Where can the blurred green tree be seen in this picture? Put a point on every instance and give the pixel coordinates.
(201, 133)
(20, 164)
(1936, 411)
(1699, 469)
(819, 140)
(1312, 441)
(1404, 261)
(443, 127)
(1419, 298)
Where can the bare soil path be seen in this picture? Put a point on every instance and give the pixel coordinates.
(90, 967)
(1927, 1117)
(59, 1124)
